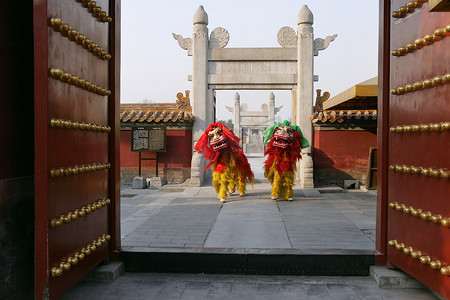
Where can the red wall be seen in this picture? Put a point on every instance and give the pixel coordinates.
(343, 149)
(178, 154)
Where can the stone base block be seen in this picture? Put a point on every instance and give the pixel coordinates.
(393, 279)
(106, 273)
(351, 184)
(139, 183)
(155, 182)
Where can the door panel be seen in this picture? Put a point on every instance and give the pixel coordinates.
(418, 180)
(75, 120)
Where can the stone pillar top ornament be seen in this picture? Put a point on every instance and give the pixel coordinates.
(305, 16)
(200, 16)
(271, 96)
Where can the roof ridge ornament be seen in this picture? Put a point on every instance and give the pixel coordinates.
(183, 102)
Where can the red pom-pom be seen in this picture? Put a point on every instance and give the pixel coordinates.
(285, 166)
(220, 167)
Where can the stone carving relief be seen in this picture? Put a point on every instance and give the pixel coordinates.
(185, 43)
(264, 107)
(230, 109)
(219, 38)
(306, 32)
(244, 107)
(286, 37)
(322, 44)
(277, 109)
(200, 35)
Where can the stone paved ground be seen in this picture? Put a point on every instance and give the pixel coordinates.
(138, 286)
(195, 218)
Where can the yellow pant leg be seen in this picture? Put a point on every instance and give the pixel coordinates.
(287, 184)
(276, 185)
(216, 181)
(223, 185)
(232, 185)
(242, 186)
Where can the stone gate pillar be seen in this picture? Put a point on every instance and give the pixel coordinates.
(201, 95)
(237, 116)
(305, 92)
(271, 109)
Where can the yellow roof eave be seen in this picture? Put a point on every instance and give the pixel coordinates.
(359, 90)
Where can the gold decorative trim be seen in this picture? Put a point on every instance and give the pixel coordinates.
(73, 35)
(67, 171)
(407, 9)
(427, 40)
(68, 124)
(438, 127)
(78, 82)
(421, 85)
(66, 263)
(438, 173)
(78, 213)
(424, 259)
(92, 7)
(418, 212)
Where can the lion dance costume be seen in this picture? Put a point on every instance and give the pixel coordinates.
(284, 143)
(227, 160)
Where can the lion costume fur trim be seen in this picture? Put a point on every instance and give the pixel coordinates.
(230, 165)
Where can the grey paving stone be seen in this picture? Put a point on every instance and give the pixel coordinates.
(203, 286)
(386, 278)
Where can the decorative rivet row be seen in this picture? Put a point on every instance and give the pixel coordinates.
(66, 263)
(424, 259)
(76, 81)
(78, 213)
(418, 212)
(427, 40)
(438, 173)
(408, 8)
(97, 10)
(79, 38)
(439, 127)
(421, 85)
(61, 172)
(60, 123)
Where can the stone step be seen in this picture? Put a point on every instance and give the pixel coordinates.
(106, 273)
(311, 262)
(393, 279)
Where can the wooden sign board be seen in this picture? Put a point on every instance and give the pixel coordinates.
(148, 139)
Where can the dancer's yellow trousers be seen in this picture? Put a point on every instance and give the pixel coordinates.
(281, 185)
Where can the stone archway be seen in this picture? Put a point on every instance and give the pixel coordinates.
(289, 67)
(250, 121)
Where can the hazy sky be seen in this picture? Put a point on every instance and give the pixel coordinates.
(154, 67)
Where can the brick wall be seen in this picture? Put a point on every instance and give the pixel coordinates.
(342, 153)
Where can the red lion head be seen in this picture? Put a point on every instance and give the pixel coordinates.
(216, 139)
(283, 140)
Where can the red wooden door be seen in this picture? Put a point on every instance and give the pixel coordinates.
(419, 143)
(76, 140)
